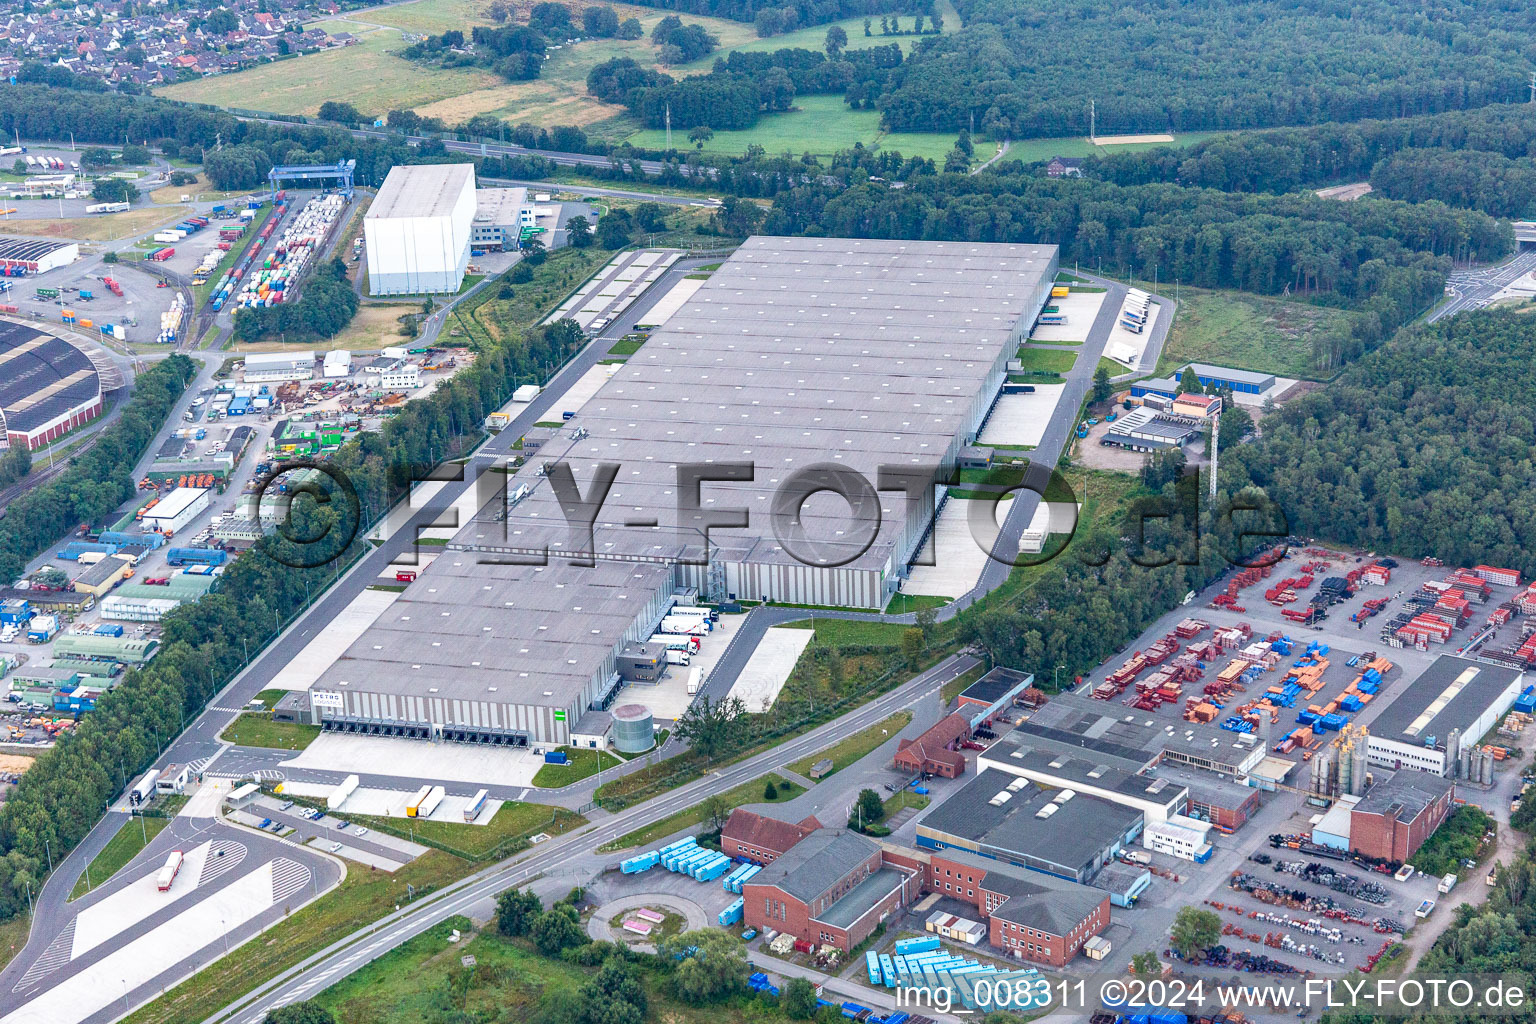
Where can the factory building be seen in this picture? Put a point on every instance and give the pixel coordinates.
(936, 751)
(860, 365)
(418, 229)
(1398, 813)
(1115, 778)
(274, 367)
(1147, 430)
(36, 255)
(993, 693)
(1452, 705)
(760, 839)
(48, 387)
(1241, 382)
(1007, 817)
(503, 218)
(338, 363)
(175, 512)
(833, 887)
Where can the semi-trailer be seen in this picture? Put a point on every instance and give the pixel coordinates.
(475, 806)
(684, 624)
(169, 871)
(428, 805)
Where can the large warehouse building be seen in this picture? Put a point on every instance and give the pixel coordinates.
(418, 229)
(48, 387)
(1452, 705)
(797, 355)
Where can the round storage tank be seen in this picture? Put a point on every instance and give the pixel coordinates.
(633, 729)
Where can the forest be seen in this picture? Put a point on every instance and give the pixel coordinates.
(743, 85)
(807, 12)
(1386, 260)
(1424, 447)
(1029, 70)
(1480, 159)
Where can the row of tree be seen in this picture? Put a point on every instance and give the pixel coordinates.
(1386, 260)
(1030, 70)
(325, 305)
(1422, 448)
(807, 12)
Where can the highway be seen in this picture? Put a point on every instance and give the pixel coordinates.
(1474, 289)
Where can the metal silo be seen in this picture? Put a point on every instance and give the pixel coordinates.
(633, 729)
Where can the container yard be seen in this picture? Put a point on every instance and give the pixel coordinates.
(268, 280)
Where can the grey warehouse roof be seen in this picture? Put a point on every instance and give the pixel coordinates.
(1076, 833)
(1450, 694)
(817, 863)
(468, 630)
(1404, 794)
(1227, 373)
(41, 377)
(1082, 767)
(1035, 900)
(797, 352)
(421, 190)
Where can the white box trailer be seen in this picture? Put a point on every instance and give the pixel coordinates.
(169, 871)
(427, 806)
(526, 393)
(685, 624)
(143, 789)
(340, 793)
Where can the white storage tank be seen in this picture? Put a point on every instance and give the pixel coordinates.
(634, 731)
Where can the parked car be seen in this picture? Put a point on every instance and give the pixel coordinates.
(341, 824)
(286, 805)
(335, 847)
(361, 831)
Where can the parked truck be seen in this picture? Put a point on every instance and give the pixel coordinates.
(169, 871)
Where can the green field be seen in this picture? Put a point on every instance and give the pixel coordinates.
(259, 730)
(1246, 332)
(1031, 150)
(120, 849)
(851, 748)
(584, 764)
(821, 125)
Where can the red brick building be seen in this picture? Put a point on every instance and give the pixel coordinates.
(1398, 813)
(835, 886)
(760, 839)
(936, 751)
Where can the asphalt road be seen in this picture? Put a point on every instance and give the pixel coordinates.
(1473, 289)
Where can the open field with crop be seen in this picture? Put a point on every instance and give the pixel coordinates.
(1031, 150)
(372, 78)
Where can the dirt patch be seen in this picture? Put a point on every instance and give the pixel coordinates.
(1346, 192)
(107, 228)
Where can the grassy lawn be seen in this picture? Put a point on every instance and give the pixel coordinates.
(1248, 332)
(272, 696)
(425, 980)
(850, 749)
(363, 897)
(513, 821)
(487, 316)
(840, 632)
(626, 347)
(956, 686)
(120, 849)
(105, 228)
(13, 936)
(1114, 369)
(1045, 360)
(900, 604)
(259, 730)
(1031, 150)
(584, 764)
(820, 124)
(746, 793)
